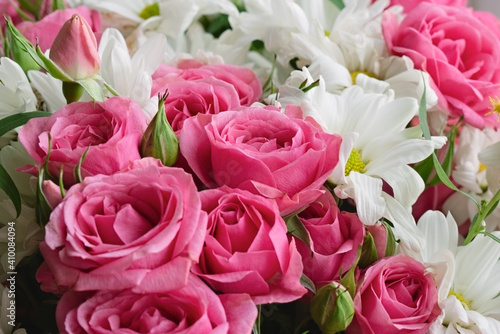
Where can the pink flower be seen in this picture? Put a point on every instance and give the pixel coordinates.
(111, 131)
(140, 229)
(263, 151)
(335, 238)
(188, 98)
(46, 30)
(397, 296)
(247, 250)
(75, 49)
(193, 309)
(244, 80)
(460, 51)
(409, 5)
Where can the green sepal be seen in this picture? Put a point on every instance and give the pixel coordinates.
(42, 208)
(58, 5)
(390, 247)
(368, 252)
(77, 172)
(19, 49)
(297, 229)
(61, 182)
(307, 283)
(93, 88)
(51, 67)
(13, 121)
(72, 91)
(9, 187)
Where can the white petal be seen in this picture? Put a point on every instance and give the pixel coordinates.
(367, 193)
(50, 89)
(405, 182)
(440, 232)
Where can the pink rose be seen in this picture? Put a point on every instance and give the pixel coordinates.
(263, 151)
(460, 51)
(193, 309)
(189, 98)
(397, 296)
(140, 229)
(46, 30)
(409, 5)
(244, 80)
(111, 131)
(335, 238)
(247, 249)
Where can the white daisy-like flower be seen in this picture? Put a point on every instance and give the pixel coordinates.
(134, 10)
(477, 172)
(377, 146)
(468, 277)
(130, 76)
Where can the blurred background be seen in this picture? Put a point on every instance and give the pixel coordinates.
(492, 6)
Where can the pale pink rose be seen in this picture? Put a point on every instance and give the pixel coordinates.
(396, 295)
(243, 79)
(263, 151)
(187, 98)
(247, 250)
(45, 31)
(7, 8)
(191, 309)
(460, 52)
(110, 132)
(141, 228)
(74, 49)
(409, 5)
(335, 237)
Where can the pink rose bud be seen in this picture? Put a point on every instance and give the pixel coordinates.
(75, 49)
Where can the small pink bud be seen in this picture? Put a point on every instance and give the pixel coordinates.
(75, 49)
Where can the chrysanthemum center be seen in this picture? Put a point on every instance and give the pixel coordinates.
(354, 74)
(354, 163)
(495, 106)
(482, 167)
(465, 303)
(150, 11)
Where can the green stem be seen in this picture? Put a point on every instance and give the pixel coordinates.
(476, 226)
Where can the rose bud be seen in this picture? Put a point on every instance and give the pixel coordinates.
(159, 140)
(332, 308)
(74, 49)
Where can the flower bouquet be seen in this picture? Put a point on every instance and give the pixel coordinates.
(253, 166)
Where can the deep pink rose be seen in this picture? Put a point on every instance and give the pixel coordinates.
(335, 238)
(397, 296)
(187, 98)
(45, 30)
(109, 131)
(141, 229)
(460, 51)
(243, 79)
(192, 309)
(263, 151)
(409, 5)
(247, 249)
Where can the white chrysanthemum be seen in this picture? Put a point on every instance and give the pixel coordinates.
(134, 10)
(477, 173)
(377, 146)
(469, 289)
(130, 76)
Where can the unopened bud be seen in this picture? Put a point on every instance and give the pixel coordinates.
(332, 308)
(159, 140)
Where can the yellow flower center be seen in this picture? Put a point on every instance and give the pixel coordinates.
(354, 163)
(327, 33)
(461, 299)
(354, 74)
(495, 106)
(150, 11)
(482, 167)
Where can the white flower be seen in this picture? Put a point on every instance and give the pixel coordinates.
(377, 145)
(6, 315)
(50, 90)
(469, 285)
(130, 76)
(476, 171)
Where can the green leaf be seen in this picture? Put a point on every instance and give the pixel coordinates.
(492, 236)
(57, 5)
(368, 252)
(20, 49)
(339, 3)
(9, 187)
(93, 88)
(447, 163)
(13, 121)
(77, 172)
